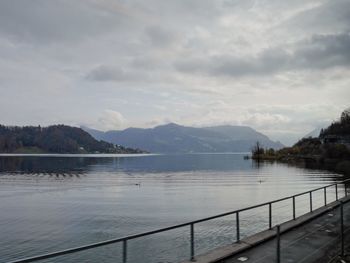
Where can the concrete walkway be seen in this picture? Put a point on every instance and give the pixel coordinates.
(314, 237)
(316, 241)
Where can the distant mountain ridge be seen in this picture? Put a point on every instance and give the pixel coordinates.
(174, 138)
(54, 139)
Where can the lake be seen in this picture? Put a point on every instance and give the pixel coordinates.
(55, 202)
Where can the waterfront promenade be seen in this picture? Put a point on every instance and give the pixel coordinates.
(319, 235)
(314, 237)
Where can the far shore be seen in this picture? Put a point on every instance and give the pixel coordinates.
(78, 154)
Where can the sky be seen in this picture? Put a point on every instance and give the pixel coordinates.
(280, 67)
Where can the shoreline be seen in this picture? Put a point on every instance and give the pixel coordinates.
(76, 154)
(340, 166)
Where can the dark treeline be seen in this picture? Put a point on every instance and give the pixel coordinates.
(340, 128)
(331, 150)
(48, 165)
(53, 139)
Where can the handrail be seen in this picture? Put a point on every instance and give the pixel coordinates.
(191, 223)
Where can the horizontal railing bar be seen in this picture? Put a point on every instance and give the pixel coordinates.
(111, 241)
(67, 251)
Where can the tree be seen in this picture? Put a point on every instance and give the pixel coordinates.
(339, 128)
(257, 150)
(345, 116)
(54, 139)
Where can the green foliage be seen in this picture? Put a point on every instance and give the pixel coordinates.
(308, 146)
(345, 116)
(330, 151)
(308, 142)
(54, 139)
(270, 152)
(336, 151)
(257, 150)
(343, 167)
(340, 128)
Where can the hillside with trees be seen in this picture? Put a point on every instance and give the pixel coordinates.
(330, 150)
(339, 128)
(54, 139)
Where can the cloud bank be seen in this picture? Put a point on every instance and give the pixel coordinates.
(282, 67)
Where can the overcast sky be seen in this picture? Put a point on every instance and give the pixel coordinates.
(281, 67)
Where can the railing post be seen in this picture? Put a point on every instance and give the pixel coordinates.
(125, 250)
(278, 244)
(270, 215)
(293, 207)
(310, 201)
(342, 227)
(336, 192)
(237, 227)
(345, 190)
(124, 240)
(192, 242)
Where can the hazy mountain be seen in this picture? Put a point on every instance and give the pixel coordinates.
(314, 133)
(173, 138)
(54, 139)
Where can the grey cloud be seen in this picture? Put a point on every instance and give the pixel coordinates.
(43, 21)
(106, 73)
(50, 21)
(234, 66)
(188, 9)
(160, 37)
(320, 52)
(50, 49)
(324, 51)
(146, 63)
(330, 16)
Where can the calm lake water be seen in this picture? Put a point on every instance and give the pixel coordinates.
(50, 203)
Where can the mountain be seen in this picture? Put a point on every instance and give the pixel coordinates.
(173, 138)
(54, 139)
(314, 133)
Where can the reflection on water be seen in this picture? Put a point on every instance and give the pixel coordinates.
(151, 163)
(46, 165)
(52, 203)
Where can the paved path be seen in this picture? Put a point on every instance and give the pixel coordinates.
(316, 241)
(311, 238)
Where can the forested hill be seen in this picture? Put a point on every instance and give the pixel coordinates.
(330, 150)
(338, 128)
(54, 139)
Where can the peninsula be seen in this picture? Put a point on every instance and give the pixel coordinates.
(330, 150)
(54, 139)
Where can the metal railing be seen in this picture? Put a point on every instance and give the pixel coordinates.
(124, 240)
(336, 246)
